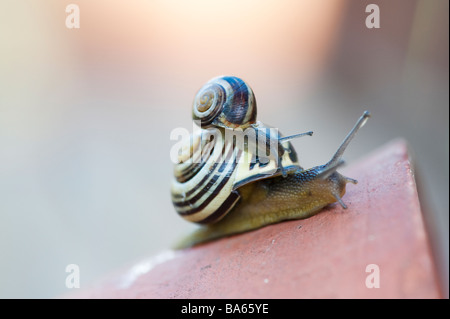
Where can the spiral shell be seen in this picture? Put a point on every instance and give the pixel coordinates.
(202, 189)
(206, 181)
(225, 101)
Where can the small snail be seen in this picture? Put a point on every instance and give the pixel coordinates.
(233, 187)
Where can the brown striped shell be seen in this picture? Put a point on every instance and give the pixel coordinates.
(212, 169)
(225, 101)
(206, 182)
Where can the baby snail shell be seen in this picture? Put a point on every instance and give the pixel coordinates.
(225, 102)
(232, 184)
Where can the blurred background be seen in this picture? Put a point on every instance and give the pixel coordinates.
(86, 114)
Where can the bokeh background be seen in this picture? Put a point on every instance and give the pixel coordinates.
(86, 114)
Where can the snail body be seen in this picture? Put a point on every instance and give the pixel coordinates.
(232, 188)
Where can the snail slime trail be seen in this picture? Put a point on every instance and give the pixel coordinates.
(248, 175)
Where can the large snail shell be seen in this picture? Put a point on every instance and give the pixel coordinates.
(225, 101)
(202, 190)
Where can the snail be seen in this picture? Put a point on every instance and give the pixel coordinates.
(237, 174)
